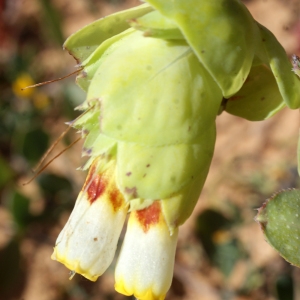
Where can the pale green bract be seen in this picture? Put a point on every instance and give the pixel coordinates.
(155, 89)
(127, 117)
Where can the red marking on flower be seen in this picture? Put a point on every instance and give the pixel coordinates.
(149, 216)
(96, 188)
(116, 198)
(128, 173)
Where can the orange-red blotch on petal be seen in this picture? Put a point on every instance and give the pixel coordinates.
(116, 198)
(102, 184)
(96, 188)
(149, 216)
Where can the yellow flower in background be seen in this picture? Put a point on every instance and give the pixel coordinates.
(39, 99)
(21, 82)
(156, 77)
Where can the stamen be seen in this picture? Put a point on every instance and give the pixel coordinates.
(50, 81)
(72, 274)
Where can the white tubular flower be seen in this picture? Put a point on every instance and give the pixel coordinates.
(88, 241)
(145, 265)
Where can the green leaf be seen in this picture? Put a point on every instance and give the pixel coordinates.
(92, 63)
(85, 41)
(19, 207)
(35, 144)
(279, 219)
(288, 82)
(52, 184)
(259, 98)
(160, 172)
(156, 25)
(164, 86)
(6, 173)
(222, 34)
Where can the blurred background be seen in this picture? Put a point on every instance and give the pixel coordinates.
(221, 251)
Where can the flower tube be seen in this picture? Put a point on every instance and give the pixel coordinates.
(148, 251)
(88, 241)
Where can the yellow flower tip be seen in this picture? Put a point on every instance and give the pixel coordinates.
(148, 294)
(22, 81)
(120, 287)
(73, 266)
(145, 265)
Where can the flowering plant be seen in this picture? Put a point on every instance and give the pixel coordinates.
(156, 78)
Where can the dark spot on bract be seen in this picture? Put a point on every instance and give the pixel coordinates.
(87, 151)
(131, 191)
(128, 173)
